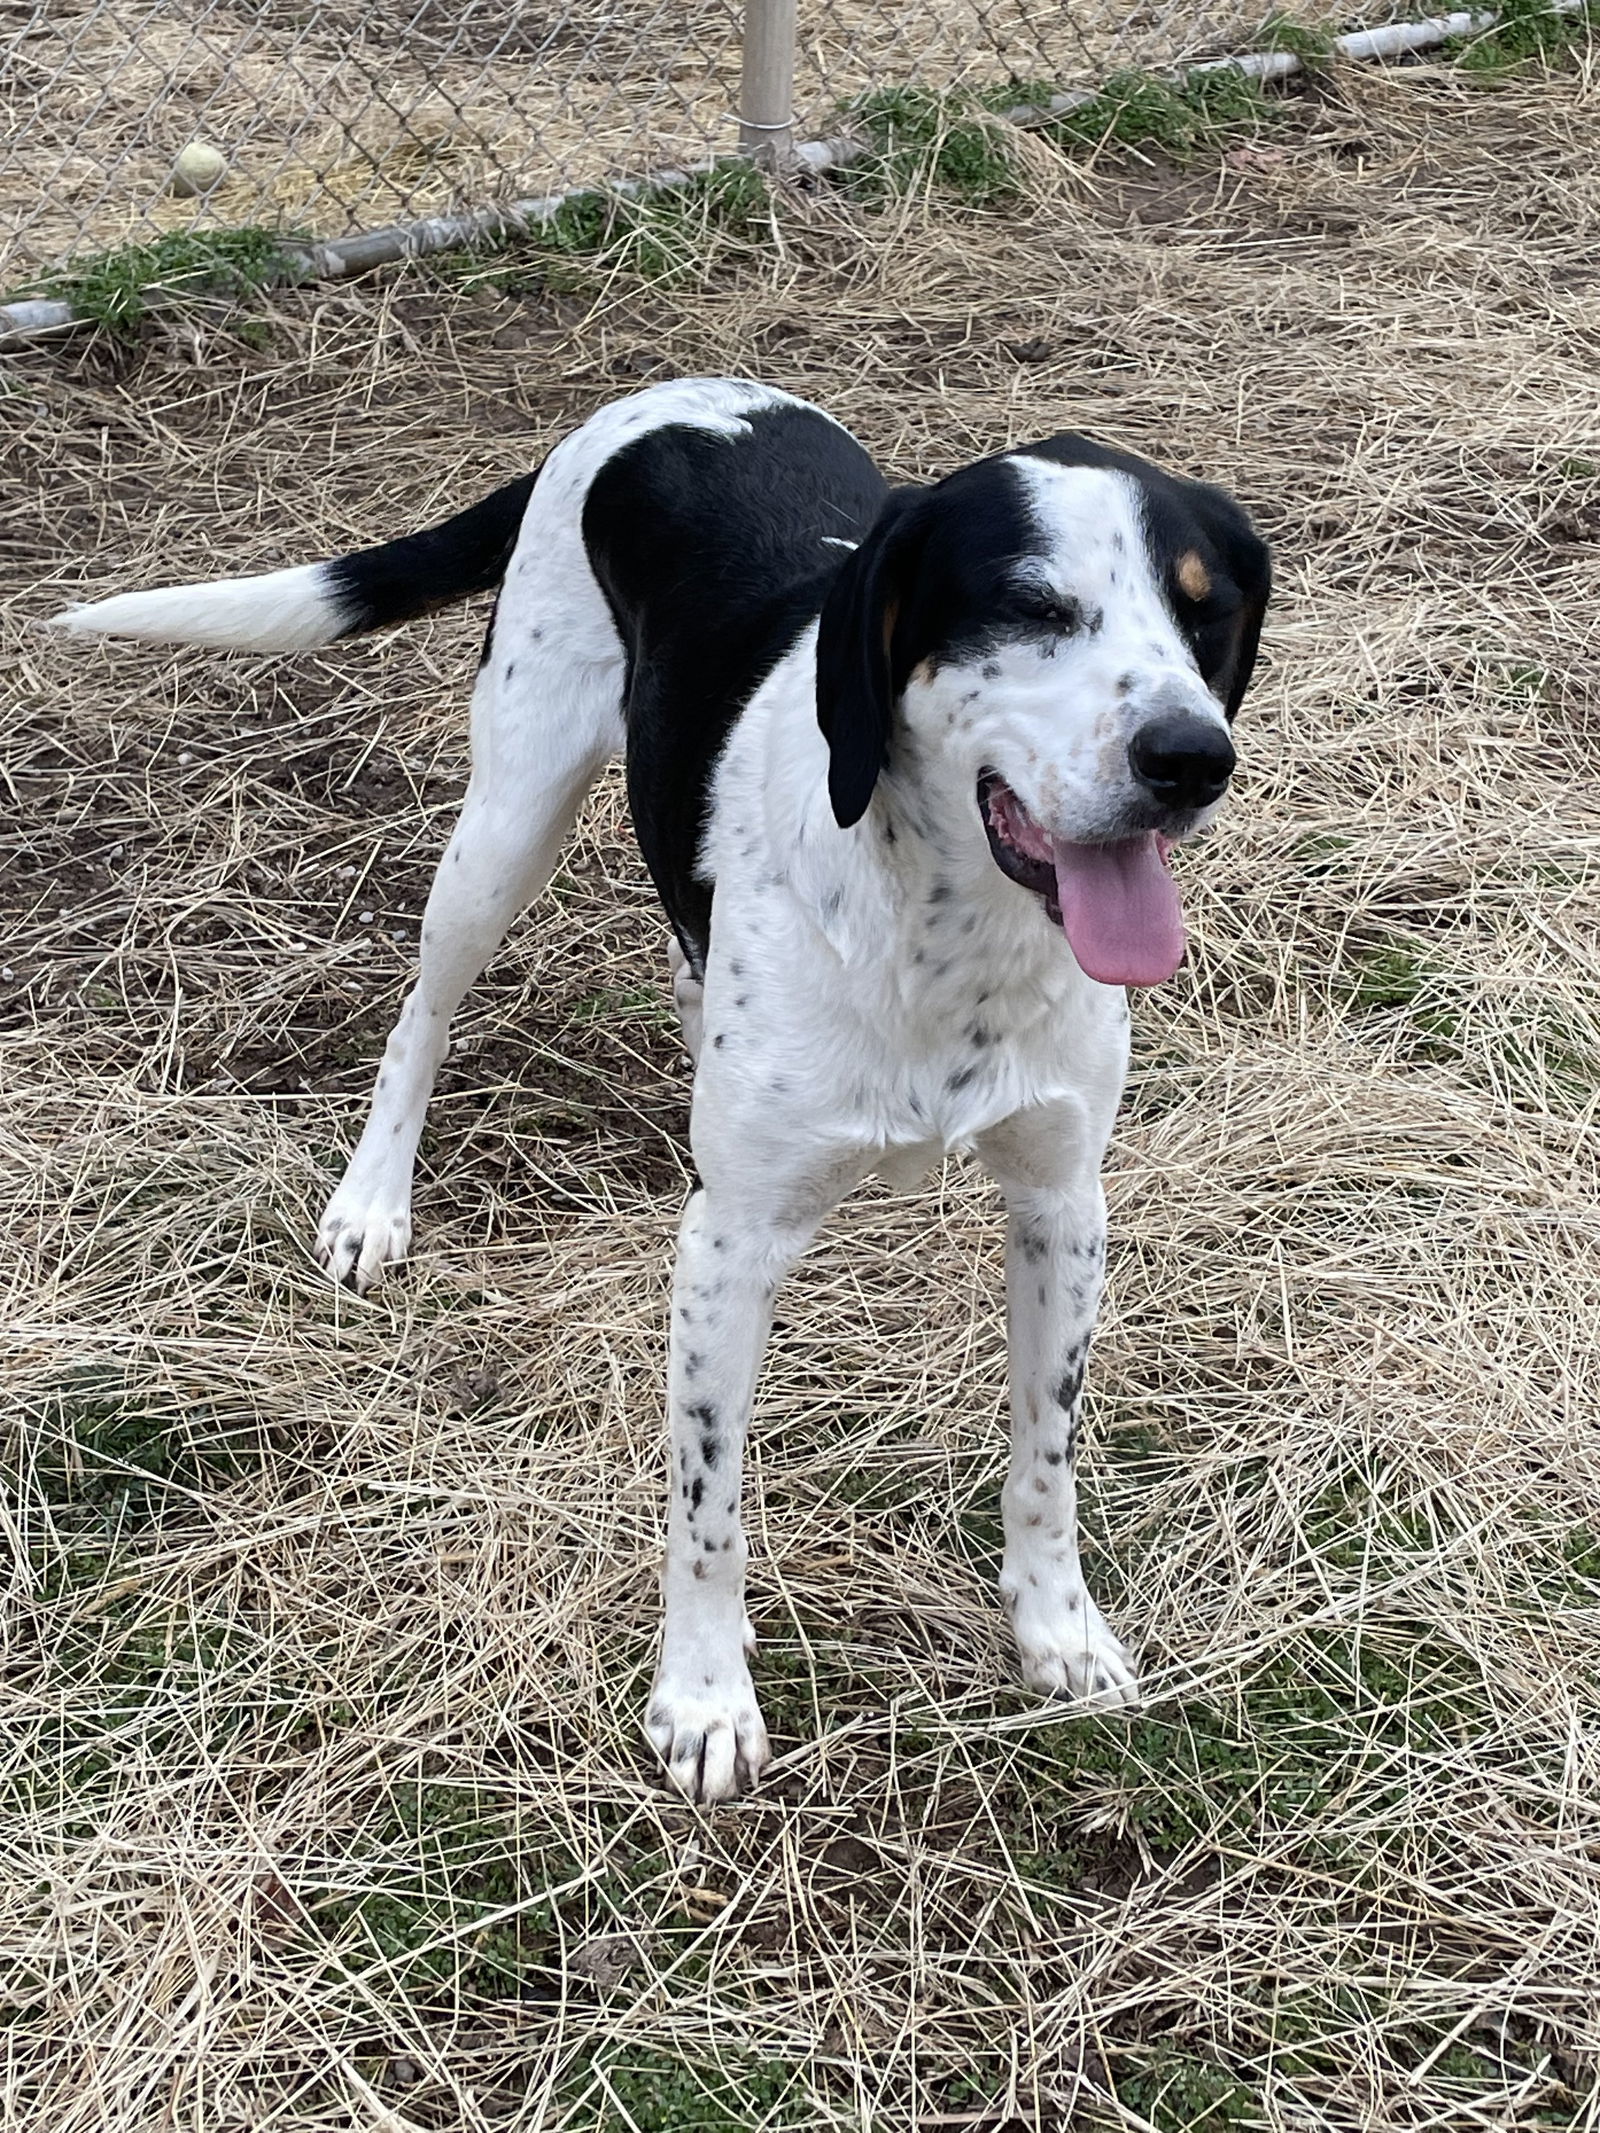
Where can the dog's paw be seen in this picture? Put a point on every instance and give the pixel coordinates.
(360, 1234)
(709, 1735)
(1072, 1654)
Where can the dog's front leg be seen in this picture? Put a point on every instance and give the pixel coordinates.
(1055, 1266)
(733, 1250)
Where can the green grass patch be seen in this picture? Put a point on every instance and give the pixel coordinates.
(663, 235)
(1333, 1714)
(1180, 116)
(658, 2092)
(1530, 1042)
(626, 1003)
(949, 141)
(1526, 34)
(97, 1444)
(1310, 43)
(116, 289)
(448, 1860)
(1180, 2091)
(957, 142)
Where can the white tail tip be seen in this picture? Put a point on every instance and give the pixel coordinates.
(284, 611)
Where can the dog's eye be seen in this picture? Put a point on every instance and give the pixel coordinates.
(1057, 611)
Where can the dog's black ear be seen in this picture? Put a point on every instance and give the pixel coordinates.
(1225, 633)
(861, 667)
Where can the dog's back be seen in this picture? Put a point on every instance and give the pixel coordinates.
(714, 553)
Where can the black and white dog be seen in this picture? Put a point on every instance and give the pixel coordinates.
(905, 765)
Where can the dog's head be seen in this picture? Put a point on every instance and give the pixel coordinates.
(1070, 631)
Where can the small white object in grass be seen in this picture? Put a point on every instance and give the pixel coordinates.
(197, 168)
(366, 917)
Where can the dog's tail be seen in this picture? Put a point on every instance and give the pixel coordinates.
(291, 610)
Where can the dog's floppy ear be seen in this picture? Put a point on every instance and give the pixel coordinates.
(861, 667)
(1225, 642)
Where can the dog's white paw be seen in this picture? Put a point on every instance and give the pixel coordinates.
(361, 1233)
(1071, 1653)
(708, 1732)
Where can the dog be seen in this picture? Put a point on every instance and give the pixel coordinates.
(905, 765)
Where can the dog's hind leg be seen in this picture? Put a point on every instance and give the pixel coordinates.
(541, 729)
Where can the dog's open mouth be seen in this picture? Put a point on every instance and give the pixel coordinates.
(1116, 903)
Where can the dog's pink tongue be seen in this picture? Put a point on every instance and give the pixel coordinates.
(1119, 910)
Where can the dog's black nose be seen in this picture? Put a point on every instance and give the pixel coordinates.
(1184, 761)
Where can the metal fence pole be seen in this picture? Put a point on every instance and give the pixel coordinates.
(766, 85)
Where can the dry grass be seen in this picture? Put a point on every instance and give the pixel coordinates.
(329, 1623)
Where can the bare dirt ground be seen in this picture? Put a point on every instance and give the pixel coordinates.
(329, 1622)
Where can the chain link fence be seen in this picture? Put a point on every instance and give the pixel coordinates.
(331, 116)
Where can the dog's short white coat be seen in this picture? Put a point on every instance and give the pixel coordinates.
(873, 997)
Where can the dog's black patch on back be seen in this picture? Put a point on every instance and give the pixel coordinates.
(714, 553)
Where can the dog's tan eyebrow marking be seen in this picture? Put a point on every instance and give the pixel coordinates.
(1193, 576)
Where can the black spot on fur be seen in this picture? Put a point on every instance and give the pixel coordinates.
(957, 1081)
(697, 1492)
(1032, 1246)
(710, 1449)
(704, 1413)
(718, 1041)
(1069, 1385)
